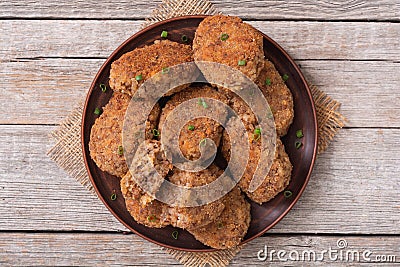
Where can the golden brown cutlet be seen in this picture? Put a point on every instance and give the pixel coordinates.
(230, 41)
(230, 227)
(189, 139)
(278, 95)
(105, 145)
(133, 68)
(194, 217)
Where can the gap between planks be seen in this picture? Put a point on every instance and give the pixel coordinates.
(249, 9)
(56, 86)
(302, 40)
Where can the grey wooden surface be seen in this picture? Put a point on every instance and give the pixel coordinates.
(50, 51)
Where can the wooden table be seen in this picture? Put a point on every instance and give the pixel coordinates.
(50, 51)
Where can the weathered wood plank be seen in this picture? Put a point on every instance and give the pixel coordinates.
(116, 249)
(303, 40)
(44, 91)
(267, 9)
(27, 171)
(353, 189)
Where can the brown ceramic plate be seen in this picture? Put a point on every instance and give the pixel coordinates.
(263, 217)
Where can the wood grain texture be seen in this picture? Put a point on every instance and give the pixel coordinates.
(302, 40)
(267, 9)
(368, 90)
(51, 249)
(353, 189)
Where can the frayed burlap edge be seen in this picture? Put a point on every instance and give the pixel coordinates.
(219, 258)
(330, 121)
(175, 8)
(67, 151)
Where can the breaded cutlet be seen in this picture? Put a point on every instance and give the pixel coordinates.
(105, 145)
(132, 69)
(230, 41)
(228, 229)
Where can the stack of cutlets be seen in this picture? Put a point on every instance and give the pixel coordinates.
(227, 40)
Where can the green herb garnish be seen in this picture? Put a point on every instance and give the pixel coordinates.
(268, 81)
(164, 34)
(113, 196)
(191, 128)
(285, 77)
(165, 70)
(103, 87)
(298, 144)
(175, 235)
(287, 193)
(152, 218)
(184, 38)
(203, 103)
(257, 134)
(97, 111)
(224, 37)
(120, 150)
(155, 132)
(139, 77)
(299, 133)
(242, 62)
(220, 225)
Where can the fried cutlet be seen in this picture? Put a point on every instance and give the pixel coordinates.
(194, 217)
(230, 227)
(132, 69)
(230, 41)
(196, 130)
(105, 143)
(278, 95)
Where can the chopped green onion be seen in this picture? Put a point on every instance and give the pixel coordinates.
(164, 34)
(97, 111)
(203, 103)
(242, 62)
(298, 144)
(184, 38)
(155, 132)
(203, 142)
(285, 77)
(175, 235)
(191, 128)
(113, 196)
(299, 133)
(287, 193)
(103, 87)
(139, 77)
(165, 70)
(224, 37)
(268, 81)
(257, 134)
(220, 225)
(120, 150)
(152, 218)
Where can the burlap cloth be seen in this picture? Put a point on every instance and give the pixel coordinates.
(67, 151)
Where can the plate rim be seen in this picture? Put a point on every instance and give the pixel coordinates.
(85, 158)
